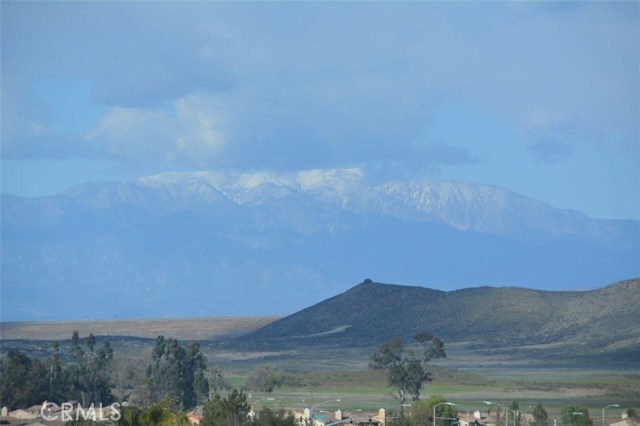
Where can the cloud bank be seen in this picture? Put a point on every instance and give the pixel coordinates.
(319, 85)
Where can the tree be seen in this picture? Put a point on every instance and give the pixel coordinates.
(91, 341)
(158, 414)
(197, 391)
(633, 414)
(217, 382)
(129, 416)
(265, 378)
(406, 371)
(233, 410)
(540, 416)
(24, 381)
(268, 417)
(569, 416)
(432, 347)
(126, 373)
(519, 418)
(84, 378)
(177, 374)
(58, 375)
(89, 380)
(422, 411)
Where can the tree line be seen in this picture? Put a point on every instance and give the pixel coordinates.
(81, 374)
(175, 375)
(86, 373)
(175, 378)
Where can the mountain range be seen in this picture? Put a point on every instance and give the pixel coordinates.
(595, 322)
(218, 244)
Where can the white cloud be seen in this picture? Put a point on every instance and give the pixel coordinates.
(322, 82)
(332, 84)
(202, 137)
(190, 131)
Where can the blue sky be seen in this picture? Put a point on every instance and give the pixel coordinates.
(539, 97)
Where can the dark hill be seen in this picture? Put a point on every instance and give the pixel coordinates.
(369, 313)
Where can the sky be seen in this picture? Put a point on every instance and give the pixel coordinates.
(541, 97)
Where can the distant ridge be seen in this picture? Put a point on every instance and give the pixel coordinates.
(229, 244)
(369, 313)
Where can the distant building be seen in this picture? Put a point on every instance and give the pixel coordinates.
(626, 421)
(195, 415)
(303, 418)
(24, 414)
(476, 418)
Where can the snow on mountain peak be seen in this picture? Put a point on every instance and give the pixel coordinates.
(255, 180)
(338, 179)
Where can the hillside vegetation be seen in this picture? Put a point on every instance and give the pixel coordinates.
(601, 321)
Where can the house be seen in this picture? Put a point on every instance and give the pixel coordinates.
(10, 421)
(476, 418)
(375, 419)
(24, 414)
(304, 418)
(42, 421)
(625, 421)
(195, 415)
(39, 421)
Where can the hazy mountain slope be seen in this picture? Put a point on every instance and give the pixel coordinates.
(369, 313)
(211, 243)
(499, 211)
(464, 206)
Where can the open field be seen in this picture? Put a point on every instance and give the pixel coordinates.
(467, 376)
(219, 328)
(343, 374)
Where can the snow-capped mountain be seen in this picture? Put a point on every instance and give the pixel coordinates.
(214, 243)
(464, 206)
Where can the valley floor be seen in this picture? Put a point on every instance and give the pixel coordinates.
(555, 377)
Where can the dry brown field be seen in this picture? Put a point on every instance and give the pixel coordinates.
(218, 328)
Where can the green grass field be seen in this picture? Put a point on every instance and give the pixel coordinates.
(342, 374)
